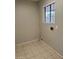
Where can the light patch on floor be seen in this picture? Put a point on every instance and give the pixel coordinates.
(36, 50)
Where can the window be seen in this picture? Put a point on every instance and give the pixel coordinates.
(49, 13)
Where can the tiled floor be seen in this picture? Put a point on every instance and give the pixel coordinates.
(36, 50)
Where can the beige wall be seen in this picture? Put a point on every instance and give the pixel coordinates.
(27, 21)
(53, 38)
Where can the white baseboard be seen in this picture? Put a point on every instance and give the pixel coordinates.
(19, 44)
(53, 49)
(23, 43)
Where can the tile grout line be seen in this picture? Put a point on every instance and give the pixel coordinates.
(52, 49)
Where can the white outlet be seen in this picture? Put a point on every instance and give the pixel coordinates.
(56, 27)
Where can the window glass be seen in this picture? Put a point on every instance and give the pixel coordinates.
(48, 14)
(53, 13)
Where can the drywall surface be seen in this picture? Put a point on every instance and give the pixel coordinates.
(53, 38)
(26, 21)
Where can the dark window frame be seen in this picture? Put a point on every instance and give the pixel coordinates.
(50, 11)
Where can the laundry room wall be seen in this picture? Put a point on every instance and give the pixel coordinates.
(53, 38)
(26, 21)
